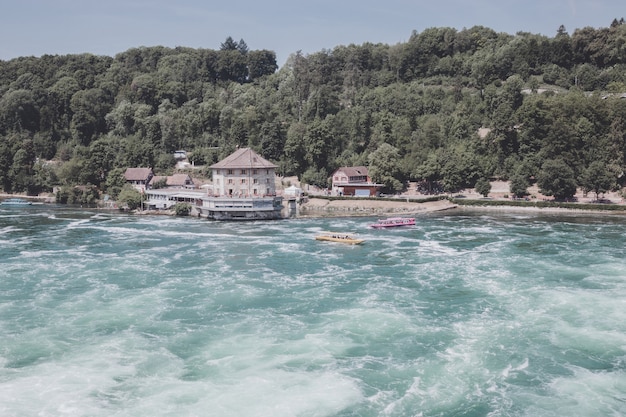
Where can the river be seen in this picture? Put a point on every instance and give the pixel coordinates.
(464, 314)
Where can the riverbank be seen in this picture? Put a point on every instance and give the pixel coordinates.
(315, 207)
(411, 202)
(322, 207)
(47, 198)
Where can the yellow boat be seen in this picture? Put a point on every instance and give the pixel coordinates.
(339, 237)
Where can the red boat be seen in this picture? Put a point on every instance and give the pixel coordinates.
(394, 222)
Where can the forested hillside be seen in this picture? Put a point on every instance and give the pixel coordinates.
(548, 109)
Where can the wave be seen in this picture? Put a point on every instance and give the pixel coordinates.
(486, 315)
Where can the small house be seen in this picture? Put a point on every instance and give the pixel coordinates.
(354, 181)
(138, 178)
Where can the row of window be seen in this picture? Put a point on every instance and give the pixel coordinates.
(360, 178)
(243, 181)
(245, 172)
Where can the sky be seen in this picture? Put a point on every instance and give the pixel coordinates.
(108, 27)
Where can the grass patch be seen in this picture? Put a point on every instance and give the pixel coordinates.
(540, 204)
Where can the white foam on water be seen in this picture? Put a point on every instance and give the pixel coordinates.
(167, 316)
(9, 229)
(584, 393)
(78, 223)
(590, 322)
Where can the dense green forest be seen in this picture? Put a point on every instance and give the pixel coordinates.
(549, 109)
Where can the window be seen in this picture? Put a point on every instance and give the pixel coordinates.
(256, 181)
(243, 180)
(230, 172)
(243, 172)
(230, 180)
(255, 171)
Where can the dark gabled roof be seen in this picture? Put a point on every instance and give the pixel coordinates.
(354, 171)
(137, 174)
(243, 158)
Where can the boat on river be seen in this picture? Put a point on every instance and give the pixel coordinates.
(15, 202)
(348, 238)
(393, 222)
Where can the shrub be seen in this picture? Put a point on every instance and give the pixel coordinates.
(182, 209)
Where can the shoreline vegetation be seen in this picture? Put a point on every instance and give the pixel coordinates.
(314, 205)
(498, 200)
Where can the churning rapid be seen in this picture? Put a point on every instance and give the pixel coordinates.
(105, 314)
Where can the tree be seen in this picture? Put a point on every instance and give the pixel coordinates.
(90, 108)
(229, 45)
(597, 177)
(18, 111)
(129, 197)
(242, 46)
(314, 177)
(21, 171)
(384, 167)
(483, 187)
(232, 66)
(316, 144)
(557, 179)
(178, 71)
(182, 209)
(261, 63)
(295, 153)
(78, 195)
(115, 181)
(518, 185)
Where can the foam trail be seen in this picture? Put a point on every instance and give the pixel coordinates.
(108, 314)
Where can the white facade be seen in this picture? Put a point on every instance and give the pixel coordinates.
(244, 174)
(244, 188)
(246, 182)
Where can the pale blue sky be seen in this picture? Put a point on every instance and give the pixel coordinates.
(107, 27)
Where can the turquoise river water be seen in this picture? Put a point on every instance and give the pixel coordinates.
(106, 314)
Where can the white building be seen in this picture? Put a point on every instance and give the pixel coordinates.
(244, 188)
(244, 173)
